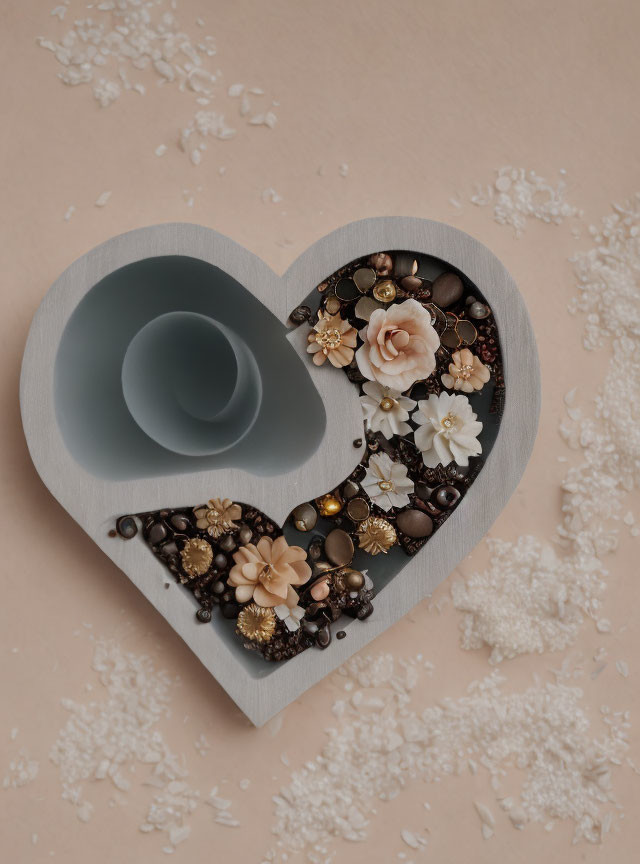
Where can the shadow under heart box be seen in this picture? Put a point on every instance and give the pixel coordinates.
(283, 466)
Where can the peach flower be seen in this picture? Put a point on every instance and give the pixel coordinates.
(400, 344)
(466, 372)
(265, 572)
(333, 338)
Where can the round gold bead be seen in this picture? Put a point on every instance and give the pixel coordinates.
(329, 505)
(385, 291)
(387, 403)
(353, 579)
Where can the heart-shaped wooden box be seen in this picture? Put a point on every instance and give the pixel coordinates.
(106, 441)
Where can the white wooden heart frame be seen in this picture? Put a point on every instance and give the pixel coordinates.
(262, 689)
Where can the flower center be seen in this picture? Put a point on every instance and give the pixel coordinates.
(464, 372)
(329, 338)
(387, 403)
(449, 421)
(267, 572)
(385, 291)
(385, 485)
(213, 517)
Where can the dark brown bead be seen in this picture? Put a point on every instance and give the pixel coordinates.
(203, 615)
(227, 543)
(245, 534)
(230, 609)
(179, 522)
(414, 523)
(411, 283)
(304, 517)
(338, 547)
(157, 533)
(447, 496)
(126, 527)
(446, 289)
(381, 263)
(358, 509)
(323, 637)
(300, 314)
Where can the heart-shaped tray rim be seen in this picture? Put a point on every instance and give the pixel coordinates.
(94, 503)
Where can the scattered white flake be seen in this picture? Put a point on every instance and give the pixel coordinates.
(532, 598)
(69, 213)
(34, 839)
(343, 169)
(195, 156)
(202, 745)
(498, 730)
(108, 738)
(108, 49)
(623, 668)
(22, 770)
(518, 195)
(244, 783)
(160, 150)
(486, 818)
(103, 199)
(409, 838)
(271, 195)
(14, 733)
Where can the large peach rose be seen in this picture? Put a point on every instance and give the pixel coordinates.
(266, 571)
(399, 346)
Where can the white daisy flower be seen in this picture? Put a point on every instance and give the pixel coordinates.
(386, 410)
(386, 482)
(448, 430)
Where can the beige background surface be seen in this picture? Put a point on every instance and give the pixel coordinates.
(422, 100)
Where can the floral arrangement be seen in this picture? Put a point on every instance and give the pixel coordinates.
(425, 357)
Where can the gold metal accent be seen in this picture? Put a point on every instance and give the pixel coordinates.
(330, 338)
(385, 291)
(196, 556)
(257, 623)
(385, 485)
(329, 505)
(376, 535)
(387, 403)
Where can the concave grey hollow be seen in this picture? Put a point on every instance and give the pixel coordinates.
(169, 366)
(99, 463)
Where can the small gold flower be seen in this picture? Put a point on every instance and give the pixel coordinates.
(333, 338)
(197, 556)
(217, 518)
(257, 623)
(376, 535)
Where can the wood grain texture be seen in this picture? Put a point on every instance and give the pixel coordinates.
(261, 689)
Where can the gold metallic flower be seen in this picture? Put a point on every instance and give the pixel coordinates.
(197, 556)
(257, 623)
(333, 338)
(217, 518)
(376, 535)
